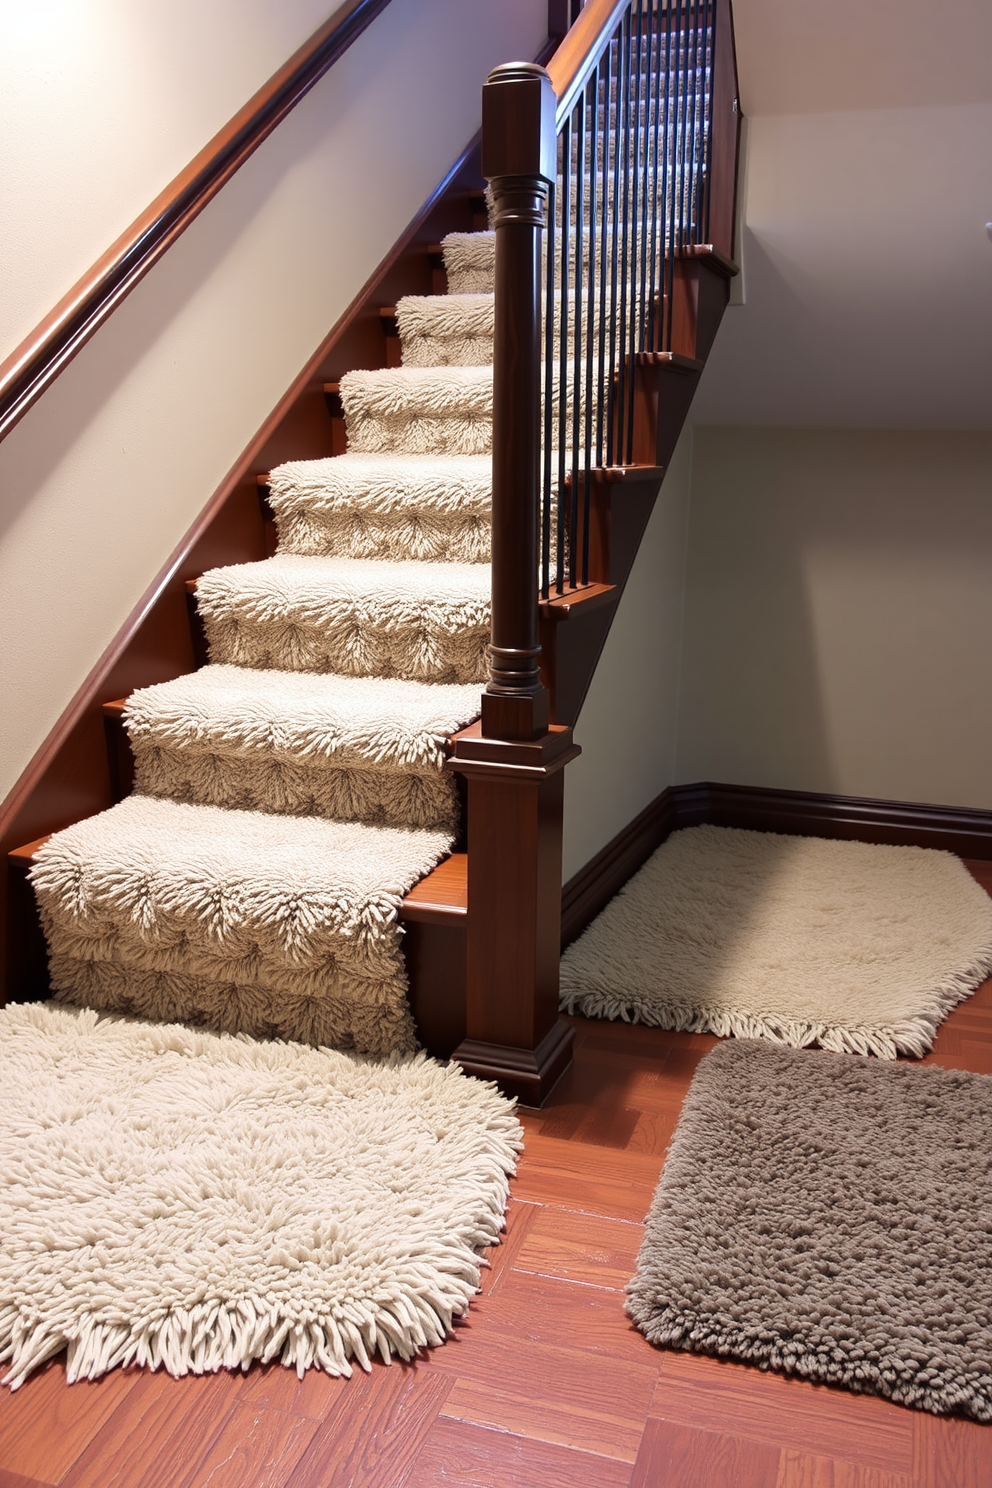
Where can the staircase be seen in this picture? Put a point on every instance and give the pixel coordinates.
(300, 822)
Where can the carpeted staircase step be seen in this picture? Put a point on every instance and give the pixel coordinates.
(469, 262)
(240, 920)
(385, 506)
(356, 748)
(419, 410)
(420, 621)
(450, 330)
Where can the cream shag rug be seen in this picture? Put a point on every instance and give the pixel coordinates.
(195, 1201)
(858, 948)
(829, 1217)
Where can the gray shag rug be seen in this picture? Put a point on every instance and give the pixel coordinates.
(194, 1201)
(829, 1217)
(859, 948)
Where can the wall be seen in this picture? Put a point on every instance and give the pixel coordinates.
(869, 274)
(102, 478)
(627, 726)
(105, 101)
(838, 627)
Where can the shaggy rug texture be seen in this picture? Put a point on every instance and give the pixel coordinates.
(829, 1217)
(858, 948)
(193, 1202)
(243, 920)
(291, 792)
(355, 748)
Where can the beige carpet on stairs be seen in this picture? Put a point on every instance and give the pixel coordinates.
(291, 792)
(854, 947)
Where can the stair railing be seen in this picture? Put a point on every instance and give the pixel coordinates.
(607, 171)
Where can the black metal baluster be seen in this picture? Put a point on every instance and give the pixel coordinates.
(636, 290)
(616, 122)
(607, 85)
(578, 113)
(653, 339)
(565, 259)
(672, 147)
(593, 97)
(549, 363)
(623, 133)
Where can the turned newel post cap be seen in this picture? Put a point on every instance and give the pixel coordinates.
(518, 122)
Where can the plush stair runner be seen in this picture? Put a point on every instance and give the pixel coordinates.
(291, 792)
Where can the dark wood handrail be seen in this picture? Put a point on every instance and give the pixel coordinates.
(581, 49)
(51, 346)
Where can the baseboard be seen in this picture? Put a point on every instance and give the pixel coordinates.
(958, 829)
(592, 888)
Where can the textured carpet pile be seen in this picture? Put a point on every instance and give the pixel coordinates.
(857, 948)
(292, 791)
(829, 1217)
(190, 1201)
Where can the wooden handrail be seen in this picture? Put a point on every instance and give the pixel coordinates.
(581, 49)
(51, 346)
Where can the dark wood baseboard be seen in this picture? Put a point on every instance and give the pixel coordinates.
(964, 830)
(592, 888)
(527, 1075)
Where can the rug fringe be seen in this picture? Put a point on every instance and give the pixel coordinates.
(913, 1036)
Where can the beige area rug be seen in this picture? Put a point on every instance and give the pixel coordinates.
(194, 1201)
(859, 948)
(829, 1217)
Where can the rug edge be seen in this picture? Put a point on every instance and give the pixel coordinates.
(672, 1330)
(913, 1035)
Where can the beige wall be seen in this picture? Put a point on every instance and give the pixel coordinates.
(100, 481)
(838, 624)
(627, 728)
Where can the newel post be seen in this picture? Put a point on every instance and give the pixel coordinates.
(513, 760)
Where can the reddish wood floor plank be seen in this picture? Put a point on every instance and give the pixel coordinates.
(377, 1432)
(158, 1433)
(15, 1480)
(688, 1458)
(797, 1470)
(580, 1247)
(46, 1424)
(257, 1447)
(951, 1453)
(592, 1180)
(520, 1218)
(565, 1315)
(460, 1456)
(760, 1406)
(317, 1395)
(541, 1416)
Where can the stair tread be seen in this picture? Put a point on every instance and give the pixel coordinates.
(372, 583)
(381, 483)
(364, 617)
(386, 723)
(170, 857)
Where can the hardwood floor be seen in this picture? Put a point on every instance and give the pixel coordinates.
(546, 1383)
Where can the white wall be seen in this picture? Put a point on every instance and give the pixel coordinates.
(627, 727)
(838, 624)
(102, 102)
(869, 274)
(100, 481)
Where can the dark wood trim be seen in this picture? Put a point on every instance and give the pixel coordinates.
(966, 831)
(51, 346)
(572, 63)
(591, 889)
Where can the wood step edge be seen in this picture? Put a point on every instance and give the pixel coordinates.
(441, 897)
(581, 601)
(23, 857)
(714, 257)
